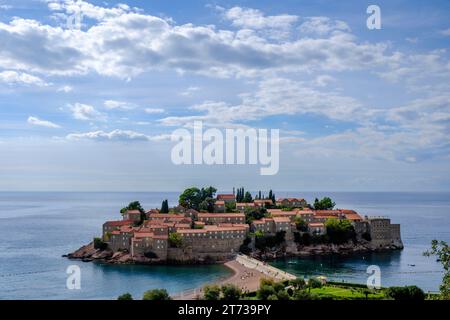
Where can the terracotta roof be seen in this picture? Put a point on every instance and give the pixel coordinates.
(316, 224)
(133, 212)
(143, 234)
(245, 204)
(167, 215)
(221, 215)
(118, 223)
(281, 219)
(220, 202)
(225, 197)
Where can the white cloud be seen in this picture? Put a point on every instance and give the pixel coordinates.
(14, 77)
(189, 91)
(65, 89)
(86, 112)
(255, 19)
(153, 43)
(154, 110)
(120, 105)
(322, 26)
(42, 123)
(446, 32)
(276, 96)
(117, 135)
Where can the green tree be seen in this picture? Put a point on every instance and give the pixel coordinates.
(211, 292)
(230, 207)
(301, 224)
(164, 206)
(125, 296)
(208, 192)
(207, 205)
(175, 240)
(441, 250)
(252, 213)
(99, 244)
(191, 198)
(324, 204)
(314, 283)
(135, 205)
(230, 292)
(247, 197)
(405, 293)
(340, 230)
(156, 294)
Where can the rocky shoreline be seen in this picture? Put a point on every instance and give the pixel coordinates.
(319, 249)
(88, 253)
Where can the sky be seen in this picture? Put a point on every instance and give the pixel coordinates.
(88, 101)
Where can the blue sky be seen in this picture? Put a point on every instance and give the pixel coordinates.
(92, 108)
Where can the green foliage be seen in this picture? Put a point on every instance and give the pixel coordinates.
(324, 204)
(265, 291)
(191, 198)
(230, 207)
(406, 293)
(175, 240)
(211, 292)
(164, 207)
(230, 292)
(207, 205)
(298, 283)
(247, 197)
(99, 244)
(301, 224)
(339, 230)
(269, 241)
(125, 296)
(156, 294)
(303, 295)
(135, 205)
(314, 283)
(252, 214)
(441, 250)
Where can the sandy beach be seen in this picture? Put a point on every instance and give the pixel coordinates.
(247, 274)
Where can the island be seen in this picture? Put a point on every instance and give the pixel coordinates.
(209, 228)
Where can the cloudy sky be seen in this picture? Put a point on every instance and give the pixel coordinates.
(90, 106)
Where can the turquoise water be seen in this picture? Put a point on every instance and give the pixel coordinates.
(37, 228)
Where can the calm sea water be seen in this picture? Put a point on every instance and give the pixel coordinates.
(37, 228)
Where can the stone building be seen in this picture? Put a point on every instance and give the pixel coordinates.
(216, 218)
(241, 206)
(291, 202)
(214, 241)
(383, 233)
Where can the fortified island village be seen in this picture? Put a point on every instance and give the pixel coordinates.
(205, 228)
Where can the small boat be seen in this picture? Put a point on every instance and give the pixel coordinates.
(411, 265)
(292, 262)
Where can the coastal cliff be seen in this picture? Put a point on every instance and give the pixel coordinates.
(88, 253)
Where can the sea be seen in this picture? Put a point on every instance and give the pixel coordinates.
(38, 228)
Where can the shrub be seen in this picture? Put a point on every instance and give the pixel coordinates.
(211, 292)
(231, 292)
(340, 230)
(175, 240)
(99, 244)
(406, 293)
(125, 296)
(314, 283)
(156, 294)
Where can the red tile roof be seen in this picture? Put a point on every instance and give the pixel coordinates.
(226, 197)
(118, 223)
